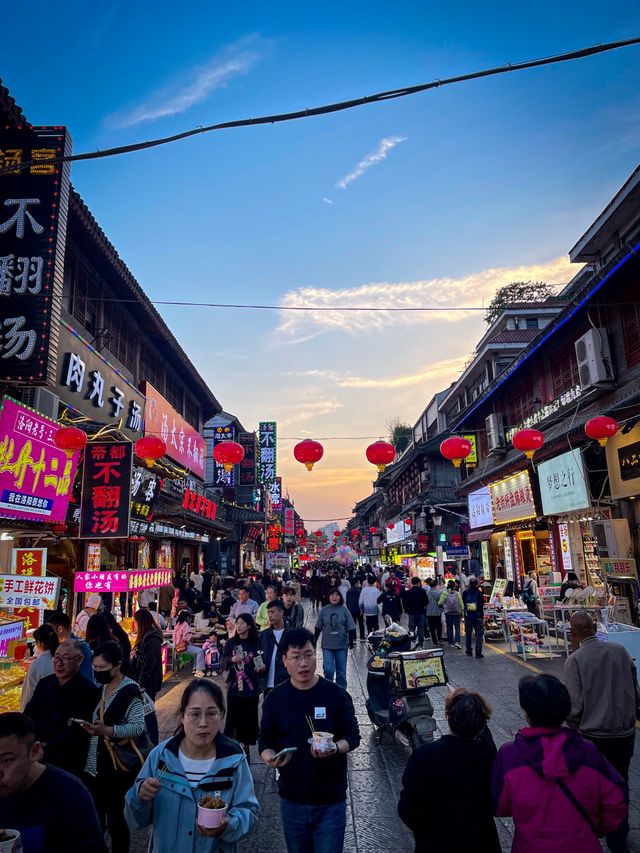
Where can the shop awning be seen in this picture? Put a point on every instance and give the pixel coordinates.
(479, 535)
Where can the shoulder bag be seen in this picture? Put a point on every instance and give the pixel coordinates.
(127, 754)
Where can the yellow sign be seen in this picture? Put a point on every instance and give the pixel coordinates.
(472, 458)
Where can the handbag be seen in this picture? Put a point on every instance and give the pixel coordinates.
(127, 754)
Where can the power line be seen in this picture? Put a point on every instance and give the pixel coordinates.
(340, 105)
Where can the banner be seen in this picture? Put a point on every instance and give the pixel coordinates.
(34, 204)
(512, 498)
(19, 591)
(31, 562)
(220, 476)
(267, 445)
(36, 477)
(184, 443)
(247, 468)
(145, 489)
(106, 490)
(563, 483)
(289, 521)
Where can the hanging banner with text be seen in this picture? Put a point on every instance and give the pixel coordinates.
(267, 441)
(106, 490)
(220, 476)
(31, 562)
(247, 468)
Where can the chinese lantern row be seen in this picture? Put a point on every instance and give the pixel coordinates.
(457, 448)
(73, 439)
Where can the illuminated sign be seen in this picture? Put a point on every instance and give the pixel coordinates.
(185, 445)
(106, 490)
(512, 498)
(31, 562)
(220, 476)
(199, 504)
(472, 458)
(563, 483)
(480, 510)
(267, 448)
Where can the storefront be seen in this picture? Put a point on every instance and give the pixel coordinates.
(481, 522)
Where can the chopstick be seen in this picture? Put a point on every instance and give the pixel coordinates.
(310, 724)
(163, 772)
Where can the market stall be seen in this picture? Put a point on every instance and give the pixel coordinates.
(13, 667)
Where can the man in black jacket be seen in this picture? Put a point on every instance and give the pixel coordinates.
(415, 602)
(270, 640)
(312, 783)
(293, 612)
(58, 698)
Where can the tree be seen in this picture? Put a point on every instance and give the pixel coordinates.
(517, 291)
(399, 434)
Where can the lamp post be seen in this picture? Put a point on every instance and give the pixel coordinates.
(436, 518)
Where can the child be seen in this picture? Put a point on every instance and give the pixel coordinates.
(211, 655)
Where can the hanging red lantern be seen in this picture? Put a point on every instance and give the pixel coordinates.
(337, 534)
(528, 441)
(318, 533)
(150, 449)
(228, 454)
(381, 454)
(390, 526)
(373, 530)
(408, 522)
(59, 529)
(354, 534)
(70, 439)
(601, 428)
(308, 452)
(455, 449)
(300, 533)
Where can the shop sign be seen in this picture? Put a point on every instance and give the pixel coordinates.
(457, 552)
(274, 532)
(17, 591)
(31, 562)
(35, 476)
(274, 489)
(545, 411)
(145, 488)
(277, 562)
(94, 556)
(267, 448)
(623, 464)
(149, 579)
(508, 558)
(472, 458)
(565, 547)
(101, 582)
(553, 554)
(156, 528)
(563, 483)
(220, 476)
(199, 504)
(33, 225)
(629, 461)
(399, 531)
(512, 498)
(94, 387)
(185, 445)
(247, 468)
(8, 632)
(289, 522)
(480, 511)
(484, 555)
(619, 568)
(106, 490)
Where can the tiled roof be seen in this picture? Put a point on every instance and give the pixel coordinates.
(514, 336)
(10, 112)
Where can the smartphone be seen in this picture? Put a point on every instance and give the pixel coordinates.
(286, 751)
(80, 722)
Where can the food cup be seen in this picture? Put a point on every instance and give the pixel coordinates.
(10, 841)
(321, 741)
(210, 818)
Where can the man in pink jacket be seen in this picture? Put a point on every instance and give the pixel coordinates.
(562, 794)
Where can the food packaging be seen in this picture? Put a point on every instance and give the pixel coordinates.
(210, 818)
(10, 841)
(321, 741)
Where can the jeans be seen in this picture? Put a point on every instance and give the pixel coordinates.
(476, 625)
(313, 829)
(618, 752)
(372, 622)
(416, 623)
(453, 627)
(334, 662)
(196, 652)
(435, 628)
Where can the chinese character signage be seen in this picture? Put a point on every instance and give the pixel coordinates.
(149, 579)
(267, 440)
(629, 460)
(472, 458)
(220, 476)
(623, 463)
(619, 568)
(512, 498)
(275, 492)
(31, 562)
(20, 591)
(33, 225)
(35, 476)
(145, 488)
(247, 468)
(563, 483)
(185, 445)
(565, 546)
(88, 383)
(101, 582)
(199, 504)
(480, 511)
(106, 490)
(289, 521)
(274, 532)
(94, 556)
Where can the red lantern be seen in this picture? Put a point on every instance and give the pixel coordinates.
(528, 441)
(318, 533)
(354, 534)
(373, 530)
(601, 428)
(308, 452)
(455, 449)
(337, 534)
(70, 439)
(408, 521)
(300, 533)
(390, 526)
(150, 449)
(381, 454)
(59, 529)
(228, 454)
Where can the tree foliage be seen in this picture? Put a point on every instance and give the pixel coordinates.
(517, 291)
(399, 434)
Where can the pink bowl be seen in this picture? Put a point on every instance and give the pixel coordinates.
(210, 818)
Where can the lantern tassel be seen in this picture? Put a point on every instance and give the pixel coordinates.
(308, 466)
(381, 468)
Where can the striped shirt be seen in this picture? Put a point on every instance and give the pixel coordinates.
(195, 769)
(132, 724)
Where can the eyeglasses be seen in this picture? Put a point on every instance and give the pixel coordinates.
(196, 716)
(298, 659)
(65, 659)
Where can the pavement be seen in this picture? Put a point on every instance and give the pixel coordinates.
(376, 768)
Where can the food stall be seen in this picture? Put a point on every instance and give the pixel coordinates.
(13, 667)
(498, 609)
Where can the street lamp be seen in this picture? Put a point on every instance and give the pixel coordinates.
(436, 518)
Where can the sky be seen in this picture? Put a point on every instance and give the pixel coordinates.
(436, 199)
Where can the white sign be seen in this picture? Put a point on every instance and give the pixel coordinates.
(484, 551)
(399, 531)
(480, 510)
(512, 498)
(25, 591)
(563, 483)
(508, 558)
(565, 547)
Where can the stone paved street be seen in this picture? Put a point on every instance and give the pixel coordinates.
(376, 769)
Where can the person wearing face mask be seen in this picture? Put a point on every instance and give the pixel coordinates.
(118, 715)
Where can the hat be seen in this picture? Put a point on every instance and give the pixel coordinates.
(94, 600)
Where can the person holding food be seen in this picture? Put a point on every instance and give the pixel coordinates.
(245, 668)
(185, 778)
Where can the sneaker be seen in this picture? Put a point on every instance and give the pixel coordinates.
(198, 673)
(470, 654)
(480, 655)
(458, 646)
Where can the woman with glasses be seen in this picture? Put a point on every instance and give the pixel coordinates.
(198, 761)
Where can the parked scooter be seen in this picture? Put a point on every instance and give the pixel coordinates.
(398, 681)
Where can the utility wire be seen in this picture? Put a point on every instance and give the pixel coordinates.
(391, 94)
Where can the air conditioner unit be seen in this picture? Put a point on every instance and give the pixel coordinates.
(594, 358)
(495, 432)
(42, 400)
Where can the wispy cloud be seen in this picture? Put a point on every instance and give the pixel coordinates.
(384, 147)
(475, 289)
(194, 84)
(328, 201)
(445, 369)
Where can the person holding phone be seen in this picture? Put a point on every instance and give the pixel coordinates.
(245, 668)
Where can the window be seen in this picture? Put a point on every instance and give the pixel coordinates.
(123, 339)
(84, 299)
(564, 370)
(532, 322)
(631, 333)
(520, 404)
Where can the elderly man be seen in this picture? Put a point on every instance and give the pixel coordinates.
(605, 700)
(61, 697)
(244, 605)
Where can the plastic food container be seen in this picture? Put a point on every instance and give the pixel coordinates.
(210, 818)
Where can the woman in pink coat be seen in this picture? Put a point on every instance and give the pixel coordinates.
(562, 794)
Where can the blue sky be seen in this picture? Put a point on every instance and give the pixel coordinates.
(435, 199)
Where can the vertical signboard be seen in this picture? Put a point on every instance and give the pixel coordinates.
(289, 521)
(275, 490)
(106, 490)
(31, 562)
(247, 468)
(220, 476)
(145, 490)
(267, 440)
(34, 202)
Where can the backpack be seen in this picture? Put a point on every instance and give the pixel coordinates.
(472, 603)
(452, 603)
(527, 594)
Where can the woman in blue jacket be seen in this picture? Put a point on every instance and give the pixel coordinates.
(197, 762)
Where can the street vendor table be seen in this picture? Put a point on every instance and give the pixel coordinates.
(523, 622)
(562, 613)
